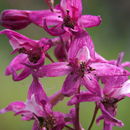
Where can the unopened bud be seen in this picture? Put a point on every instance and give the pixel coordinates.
(14, 19)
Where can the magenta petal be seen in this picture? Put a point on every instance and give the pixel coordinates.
(60, 122)
(99, 58)
(14, 106)
(114, 81)
(74, 100)
(99, 119)
(55, 30)
(124, 90)
(91, 83)
(36, 125)
(83, 54)
(17, 65)
(37, 17)
(32, 107)
(84, 97)
(105, 69)
(17, 77)
(87, 21)
(74, 7)
(36, 89)
(53, 19)
(109, 117)
(82, 40)
(71, 85)
(126, 64)
(16, 39)
(54, 70)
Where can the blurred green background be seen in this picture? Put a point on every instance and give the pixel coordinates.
(112, 37)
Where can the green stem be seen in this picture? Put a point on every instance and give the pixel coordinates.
(68, 127)
(77, 123)
(94, 116)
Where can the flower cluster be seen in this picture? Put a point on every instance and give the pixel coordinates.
(105, 82)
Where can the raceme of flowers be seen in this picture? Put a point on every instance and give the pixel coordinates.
(105, 82)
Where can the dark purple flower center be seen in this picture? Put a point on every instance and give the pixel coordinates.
(48, 122)
(68, 21)
(33, 54)
(110, 102)
(84, 68)
(81, 68)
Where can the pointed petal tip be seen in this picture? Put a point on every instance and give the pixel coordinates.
(2, 111)
(72, 101)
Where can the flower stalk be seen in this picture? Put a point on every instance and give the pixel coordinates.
(89, 76)
(94, 117)
(77, 110)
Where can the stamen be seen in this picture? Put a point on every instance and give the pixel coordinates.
(33, 55)
(110, 102)
(68, 22)
(22, 50)
(48, 122)
(82, 69)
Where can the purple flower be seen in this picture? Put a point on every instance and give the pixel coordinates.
(31, 54)
(82, 67)
(19, 19)
(38, 107)
(106, 82)
(115, 89)
(107, 102)
(43, 116)
(69, 18)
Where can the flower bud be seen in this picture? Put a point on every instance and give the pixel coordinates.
(14, 19)
(60, 52)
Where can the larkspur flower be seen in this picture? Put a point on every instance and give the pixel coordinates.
(107, 102)
(82, 68)
(31, 54)
(115, 89)
(65, 16)
(42, 114)
(106, 82)
(69, 18)
(38, 107)
(19, 19)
